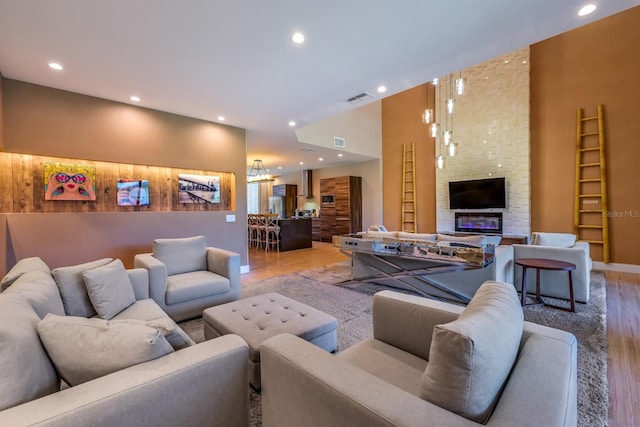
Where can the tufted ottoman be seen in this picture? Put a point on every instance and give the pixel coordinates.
(261, 317)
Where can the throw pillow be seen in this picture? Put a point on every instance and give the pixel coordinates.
(181, 255)
(558, 240)
(21, 267)
(470, 240)
(83, 349)
(40, 290)
(109, 289)
(471, 357)
(27, 372)
(172, 332)
(72, 289)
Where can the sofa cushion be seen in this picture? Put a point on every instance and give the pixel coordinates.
(72, 289)
(40, 290)
(198, 284)
(471, 357)
(181, 255)
(419, 237)
(478, 240)
(558, 240)
(84, 349)
(21, 267)
(26, 372)
(109, 289)
(381, 234)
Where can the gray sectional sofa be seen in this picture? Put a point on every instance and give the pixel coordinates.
(51, 332)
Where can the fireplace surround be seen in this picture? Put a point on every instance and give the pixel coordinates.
(479, 222)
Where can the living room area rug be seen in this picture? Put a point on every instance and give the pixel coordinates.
(318, 288)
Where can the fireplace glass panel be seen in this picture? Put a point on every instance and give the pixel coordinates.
(486, 222)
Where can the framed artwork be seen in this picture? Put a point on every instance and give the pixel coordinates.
(133, 192)
(68, 181)
(198, 188)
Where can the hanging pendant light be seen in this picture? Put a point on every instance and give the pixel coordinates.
(452, 149)
(460, 84)
(258, 173)
(427, 116)
(440, 161)
(450, 103)
(447, 135)
(434, 130)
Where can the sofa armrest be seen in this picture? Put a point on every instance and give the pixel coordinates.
(201, 385)
(503, 260)
(303, 385)
(225, 263)
(157, 276)
(140, 281)
(542, 387)
(407, 321)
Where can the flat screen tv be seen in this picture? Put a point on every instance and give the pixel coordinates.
(477, 194)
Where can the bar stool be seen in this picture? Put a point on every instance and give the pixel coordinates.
(253, 223)
(273, 232)
(262, 230)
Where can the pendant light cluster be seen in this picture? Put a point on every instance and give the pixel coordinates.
(450, 87)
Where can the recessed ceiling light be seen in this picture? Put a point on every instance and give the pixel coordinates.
(297, 38)
(280, 167)
(320, 159)
(382, 89)
(135, 98)
(221, 118)
(587, 9)
(55, 66)
(302, 163)
(292, 123)
(340, 155)
(524, 62)
(435, 81)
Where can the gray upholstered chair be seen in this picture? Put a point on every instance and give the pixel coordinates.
(186, 276)
(560, 247)
(429, 363)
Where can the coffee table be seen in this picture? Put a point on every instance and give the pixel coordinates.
(545, 264)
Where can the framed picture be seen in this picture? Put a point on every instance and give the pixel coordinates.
(67, 181)
(133, 192)
(199, 188)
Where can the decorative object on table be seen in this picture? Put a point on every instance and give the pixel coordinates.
(68, 181)
(199, 188)
(133, 192)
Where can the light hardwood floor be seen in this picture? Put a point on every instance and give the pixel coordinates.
(623, 321)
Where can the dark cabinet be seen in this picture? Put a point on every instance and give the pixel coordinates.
(290, 194)
(341, 206)
(316, 227)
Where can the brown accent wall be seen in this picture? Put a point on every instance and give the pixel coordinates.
(402, 124)
(591, 65)
(41, 121)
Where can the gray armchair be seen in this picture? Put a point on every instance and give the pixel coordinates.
(186, 276)
(381, 381)
(560, 247)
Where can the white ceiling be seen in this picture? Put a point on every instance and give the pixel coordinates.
(205, 58)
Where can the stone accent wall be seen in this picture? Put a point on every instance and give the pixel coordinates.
(491, 128)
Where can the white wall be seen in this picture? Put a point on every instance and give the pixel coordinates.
(491, 128)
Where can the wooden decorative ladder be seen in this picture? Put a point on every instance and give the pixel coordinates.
(409, 219)
(591, 221)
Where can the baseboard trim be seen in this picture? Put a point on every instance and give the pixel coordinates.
(244, 269)
(623, 268)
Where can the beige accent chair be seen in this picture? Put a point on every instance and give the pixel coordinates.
(429, 364)
(560, 247)
(186, 276)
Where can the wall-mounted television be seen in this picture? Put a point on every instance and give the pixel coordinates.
(477, 194)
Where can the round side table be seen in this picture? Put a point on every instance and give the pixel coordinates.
(545, 264)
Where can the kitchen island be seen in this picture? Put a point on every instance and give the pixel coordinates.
(295, 233)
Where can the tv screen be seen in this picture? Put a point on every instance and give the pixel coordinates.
(477, 194)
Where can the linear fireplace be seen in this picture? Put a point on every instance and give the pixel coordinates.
(479, 222)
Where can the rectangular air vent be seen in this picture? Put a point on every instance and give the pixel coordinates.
(361, 97)
(339, 142)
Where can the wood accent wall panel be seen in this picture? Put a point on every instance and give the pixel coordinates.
(22, 187)
(344, 215)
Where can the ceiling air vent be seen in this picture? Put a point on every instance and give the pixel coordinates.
(339, 142)
(361, 97)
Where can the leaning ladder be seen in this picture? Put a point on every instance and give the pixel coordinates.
(409, 220)
(590, 217)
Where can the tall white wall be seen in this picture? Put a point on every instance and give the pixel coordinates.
(491, 128)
